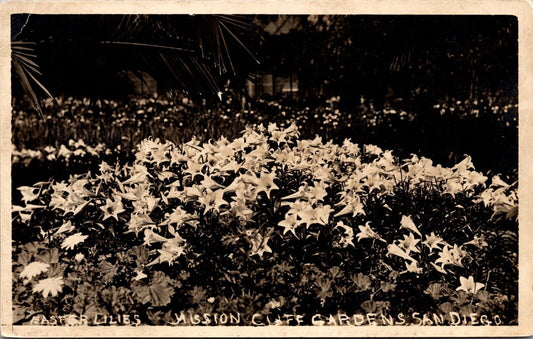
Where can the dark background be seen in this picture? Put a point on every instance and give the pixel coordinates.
(339, 55)
(410, 63)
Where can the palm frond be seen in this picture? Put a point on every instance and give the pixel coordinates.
(140, 44)
(26, 69)
(239, 41)
(191, 53)
(45, 90)
(189, 49)
(241, 22)
(26, 86)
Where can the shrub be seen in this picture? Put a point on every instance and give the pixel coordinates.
(267, 224)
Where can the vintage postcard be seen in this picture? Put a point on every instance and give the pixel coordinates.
(278, 168)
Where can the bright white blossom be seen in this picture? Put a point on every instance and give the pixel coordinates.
(79, 257)
(171, 187)
(49, 286)
(72, 241)
(469, 286)
(33, 269)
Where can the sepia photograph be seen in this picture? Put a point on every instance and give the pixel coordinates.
(232, 172)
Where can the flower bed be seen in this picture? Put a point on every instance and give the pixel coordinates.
(266, 225)
(485, 129)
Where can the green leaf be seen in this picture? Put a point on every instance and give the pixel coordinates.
(33, 247)
(483, 296)
(24, 258)
(386, 286)
(369, 306)
(434, 290)
(110, 296)
(140, 253)
(56, 270)
(50, 256)
(466, 310)
(107, 271)
(79, 304)
(158, 317)
(157, 293)
(361, 281)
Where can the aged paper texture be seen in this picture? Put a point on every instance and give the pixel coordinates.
(46, 285)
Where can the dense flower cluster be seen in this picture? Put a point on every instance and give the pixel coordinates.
(505, 112)
(240, 215)
(65, 152)
(127, 123)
